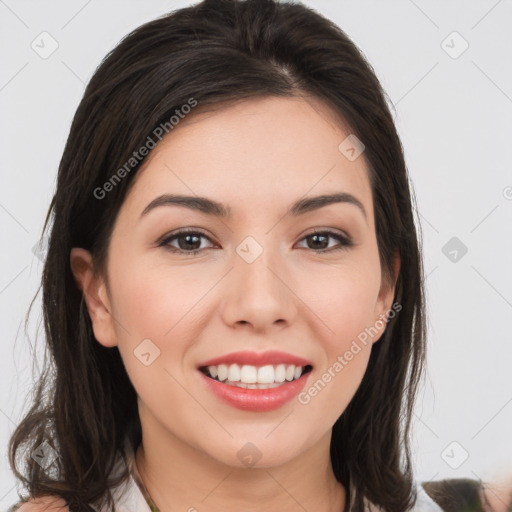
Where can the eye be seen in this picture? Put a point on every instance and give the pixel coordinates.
(321, 239)
(188, 240)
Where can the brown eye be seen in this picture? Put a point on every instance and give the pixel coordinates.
(189, 242)
(319, 241)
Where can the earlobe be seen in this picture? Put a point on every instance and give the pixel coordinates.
(95, 296)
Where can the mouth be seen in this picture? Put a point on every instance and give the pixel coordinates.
(255, 381)
(255, 377)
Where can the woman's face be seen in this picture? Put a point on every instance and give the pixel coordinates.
(261, 280)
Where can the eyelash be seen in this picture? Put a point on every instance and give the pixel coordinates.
(345, 242)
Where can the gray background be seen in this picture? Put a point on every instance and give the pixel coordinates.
(454, 115)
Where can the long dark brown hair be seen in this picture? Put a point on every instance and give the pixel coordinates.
(217, 52)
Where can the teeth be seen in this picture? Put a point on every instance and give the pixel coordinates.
(253, 386)
(252, 377)
(248, 374)
(222, 370)
(265, 374)
(280, 373)
(234, 373)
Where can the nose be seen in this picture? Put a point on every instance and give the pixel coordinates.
(257, 294)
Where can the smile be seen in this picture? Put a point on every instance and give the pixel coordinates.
(255, 396)
(254, 377)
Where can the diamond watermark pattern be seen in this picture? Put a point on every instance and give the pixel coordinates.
(454, 455)
(44, 454)
(454, 249)
(249, 454)
(351, 147)
(41, 248)
(146, 352)
(249, 249)
(44, 45)
(454, 45)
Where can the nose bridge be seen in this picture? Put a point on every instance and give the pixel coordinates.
(256, 291)
(253, 264)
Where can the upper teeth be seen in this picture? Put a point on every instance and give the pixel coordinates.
(249, 374)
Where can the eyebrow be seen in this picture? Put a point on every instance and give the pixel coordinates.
(211, 207)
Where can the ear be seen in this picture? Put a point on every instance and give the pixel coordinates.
(384, 307)
(96, 297)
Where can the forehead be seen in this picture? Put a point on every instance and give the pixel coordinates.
(261, 153)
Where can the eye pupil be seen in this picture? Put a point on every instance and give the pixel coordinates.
(187, 238)
(316, 237)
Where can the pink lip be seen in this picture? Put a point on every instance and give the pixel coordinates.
(257, 400)
(257, 359)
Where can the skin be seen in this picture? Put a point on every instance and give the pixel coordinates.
(258, 156)
(498, 495)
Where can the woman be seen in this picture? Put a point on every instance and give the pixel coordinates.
(233, 292)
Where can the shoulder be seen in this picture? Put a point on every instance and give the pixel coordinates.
(44, 504)
(467, 494)
(498, 495)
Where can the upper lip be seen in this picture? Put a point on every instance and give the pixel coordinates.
(257, 359)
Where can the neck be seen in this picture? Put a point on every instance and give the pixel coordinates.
(180, 477)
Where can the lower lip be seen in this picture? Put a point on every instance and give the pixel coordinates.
(258, 400)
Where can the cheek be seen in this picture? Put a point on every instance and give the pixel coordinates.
(344, 300)
(161, 304)
(334, 385)
(154, 301)
(346, 311)
(153, 309)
